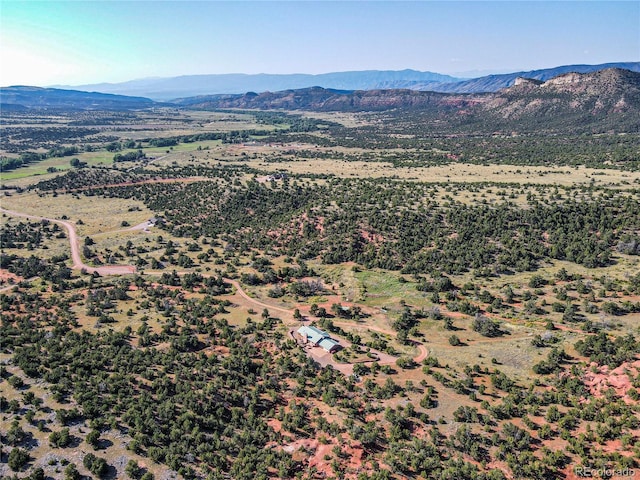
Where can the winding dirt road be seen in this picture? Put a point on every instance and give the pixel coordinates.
(422, 351)
(244, 295)
(78, 264)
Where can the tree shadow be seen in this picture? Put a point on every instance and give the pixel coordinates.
(29, 441)
(111, 472)
(103, 444)
(74, 441)
(453, 328)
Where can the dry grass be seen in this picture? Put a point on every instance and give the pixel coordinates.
(381, 293)
(455, 172)
(348, 119)
(49, 247)
(97, 214)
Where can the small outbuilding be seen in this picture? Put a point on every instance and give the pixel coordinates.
(153, 221)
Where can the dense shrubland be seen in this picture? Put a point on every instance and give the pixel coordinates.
(207, 399)
(389, 224)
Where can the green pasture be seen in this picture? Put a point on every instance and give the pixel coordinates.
(59, 163)
(381, 288)
(101, 157)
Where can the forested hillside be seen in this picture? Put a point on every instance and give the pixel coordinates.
(597, 102)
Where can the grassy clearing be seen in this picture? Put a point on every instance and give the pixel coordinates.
(461, 172)
(180, 148)
(225, 121)
(49, 248)
(385, 289)
(59, 163)
(101, 158)
(96, 213)
(340, 276)
(348, 119)
(512, 353)
(152, 126)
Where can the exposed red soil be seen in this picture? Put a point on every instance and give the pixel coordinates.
(217, 350)
(370, 237)
(451, 314)
(616, 446)
(619, 379)
(6, 276)
(275, 424)
(8, 280)
(267, 347)
(318, 223)
(568, 473)
(312, 452)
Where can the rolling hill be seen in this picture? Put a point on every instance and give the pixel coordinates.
(24, 97)
(321, 99)
(603, 100)
(607, 98)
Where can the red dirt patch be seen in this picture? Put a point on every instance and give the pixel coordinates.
(370, 237)
(619, 379)
(275, 424)
(352, 455)
(8, 278)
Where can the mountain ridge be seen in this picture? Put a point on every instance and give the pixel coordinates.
(600, 101)
(193, 85)
(230, 83)
(493, 83)
(21, 97)
(605, 99)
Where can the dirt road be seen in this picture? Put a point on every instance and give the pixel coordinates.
(78, 264)
(244, 295)
(132, 183)
(422, 351)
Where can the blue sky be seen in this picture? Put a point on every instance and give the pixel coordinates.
(76, 42)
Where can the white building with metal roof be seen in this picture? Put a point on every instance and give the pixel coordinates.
(319, 338)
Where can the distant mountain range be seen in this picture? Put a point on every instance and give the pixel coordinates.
(187, 86)
(598, 101)
(191, 85)
(24, 98)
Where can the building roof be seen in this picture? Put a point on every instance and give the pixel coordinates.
(328, 344)
(313, 334)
